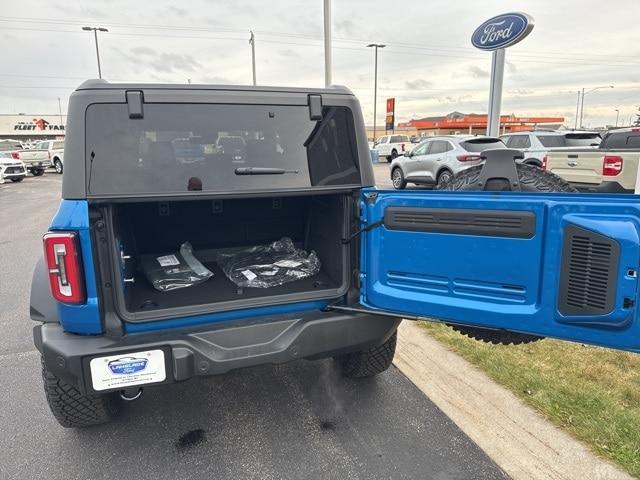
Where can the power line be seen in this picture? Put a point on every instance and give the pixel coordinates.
(533, 54)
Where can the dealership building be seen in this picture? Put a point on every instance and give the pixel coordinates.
(472, 123)
(32, 126)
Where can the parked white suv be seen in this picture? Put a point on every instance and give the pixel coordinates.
(56, 152)
(536, 144)
(391, 146)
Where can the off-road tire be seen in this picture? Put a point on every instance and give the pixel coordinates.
(72, 409)
(496, 337)
(368, 363)
(532, 179)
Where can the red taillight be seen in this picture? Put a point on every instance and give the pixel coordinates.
(544, 162)
(468, 158)
(62, 253)
(15, 155)
(611, 165)
(402, 146)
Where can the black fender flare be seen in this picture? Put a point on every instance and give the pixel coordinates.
(42, 306)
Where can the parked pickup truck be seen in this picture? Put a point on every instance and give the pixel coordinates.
(34, 160)
(56, 152)
(391, 146)
(156, 270)
(610, 168)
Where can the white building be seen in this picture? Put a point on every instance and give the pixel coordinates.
(32, 126)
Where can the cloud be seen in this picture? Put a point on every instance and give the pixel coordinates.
(511, 67)
(477, 72)
(418, 84)
(143, 51)
(346, 27)
(181, 12)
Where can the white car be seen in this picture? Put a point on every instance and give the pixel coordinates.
(11, 169)
(536, 144)
(56, 152)
(392, 146)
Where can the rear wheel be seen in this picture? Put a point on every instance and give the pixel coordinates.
(37, 172)
(368, 363)
(444, 177)
(532, 179)
(17, 179)
(71, 408)
(397, 178)
(57, 164)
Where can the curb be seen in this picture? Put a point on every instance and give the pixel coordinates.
(517, 438)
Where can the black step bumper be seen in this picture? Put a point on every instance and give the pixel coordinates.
(218, 349)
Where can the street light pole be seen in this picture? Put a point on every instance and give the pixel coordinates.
(95, 36)
(252, 41)
(575, 124)
(327, 44)
(375, 85)
(617, 116)
(582, 102)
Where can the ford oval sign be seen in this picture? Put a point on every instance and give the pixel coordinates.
(502, 31)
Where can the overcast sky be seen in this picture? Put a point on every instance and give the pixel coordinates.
(429, 64)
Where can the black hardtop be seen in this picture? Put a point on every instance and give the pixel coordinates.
(92, 92)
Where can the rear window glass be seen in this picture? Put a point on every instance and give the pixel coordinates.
(8, 146)
(179, 148)
(552, 141)
(621, 140)
(582, 139)
(481, 144)
(58, 145)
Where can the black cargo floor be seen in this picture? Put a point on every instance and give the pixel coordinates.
(218, 288)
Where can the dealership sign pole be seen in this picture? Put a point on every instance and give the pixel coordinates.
(495, 35)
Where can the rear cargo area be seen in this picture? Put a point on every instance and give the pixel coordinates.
(314, 223)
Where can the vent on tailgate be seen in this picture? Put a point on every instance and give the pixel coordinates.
(498, 223)
(589, 273)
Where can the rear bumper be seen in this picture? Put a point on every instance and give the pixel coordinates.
(604, 187)
(218, 349)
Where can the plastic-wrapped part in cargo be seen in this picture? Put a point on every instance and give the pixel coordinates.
(178, 270)
(264, 266)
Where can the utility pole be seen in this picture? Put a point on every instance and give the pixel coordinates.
(375, 85)
(617, 116)
(582, 101)
(327, 43)
(95, 36)
(60, 111)
(252, 41)
(575, 125)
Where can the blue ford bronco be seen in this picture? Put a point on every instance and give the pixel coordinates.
(209, 228)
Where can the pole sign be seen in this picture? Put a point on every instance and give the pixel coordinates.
(495, 35)
(502, 31)
(390, 118)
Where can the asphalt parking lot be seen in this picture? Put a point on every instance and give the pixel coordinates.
(299, 420)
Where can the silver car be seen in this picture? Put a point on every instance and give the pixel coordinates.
(437, 159)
